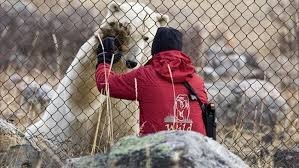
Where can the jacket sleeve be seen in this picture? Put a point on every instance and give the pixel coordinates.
(121, 86)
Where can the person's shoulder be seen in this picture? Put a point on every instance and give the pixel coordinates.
(197, 76)
(197, 79)
(144, 69)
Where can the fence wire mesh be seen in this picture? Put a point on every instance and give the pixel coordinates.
(246, 51)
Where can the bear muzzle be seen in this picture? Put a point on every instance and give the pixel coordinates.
(131, 64)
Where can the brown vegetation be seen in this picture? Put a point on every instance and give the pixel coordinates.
(41, 49)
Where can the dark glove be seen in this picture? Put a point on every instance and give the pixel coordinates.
(111, 46)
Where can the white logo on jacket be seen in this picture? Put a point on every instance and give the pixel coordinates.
(179, 120)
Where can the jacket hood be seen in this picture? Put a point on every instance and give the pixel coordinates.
(178, 62)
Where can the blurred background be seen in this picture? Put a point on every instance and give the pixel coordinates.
(247, 52)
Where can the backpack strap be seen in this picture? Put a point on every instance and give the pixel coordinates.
(193, 95)
(208, 112)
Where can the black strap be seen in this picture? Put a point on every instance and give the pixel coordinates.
(208, 112)
(193, 94)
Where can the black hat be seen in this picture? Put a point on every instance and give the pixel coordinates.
(167, 39)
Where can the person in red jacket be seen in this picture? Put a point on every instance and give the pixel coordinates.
(164, 101)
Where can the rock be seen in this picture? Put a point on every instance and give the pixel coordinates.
(249, 101)
(163, 149)
(287, 158)
(27, 155)
(9, 136)
(17, 151)
(21, 156)
(25, 100)
(98, 160)
(35, 93)
(227, 65)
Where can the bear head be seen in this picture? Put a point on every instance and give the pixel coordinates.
(139, 23)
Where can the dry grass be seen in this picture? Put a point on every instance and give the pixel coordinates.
(108, 108)
(257, 147)
(252, 148)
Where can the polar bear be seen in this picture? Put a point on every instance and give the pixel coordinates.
(71, 118)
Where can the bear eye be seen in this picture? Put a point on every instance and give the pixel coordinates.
(145, 38)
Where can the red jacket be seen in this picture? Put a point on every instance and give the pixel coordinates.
(163, 99)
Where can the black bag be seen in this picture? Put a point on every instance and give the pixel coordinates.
(208, 112)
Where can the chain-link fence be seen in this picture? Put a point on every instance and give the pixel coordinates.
(245, 50)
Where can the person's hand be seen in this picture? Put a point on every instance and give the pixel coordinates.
(110, 46)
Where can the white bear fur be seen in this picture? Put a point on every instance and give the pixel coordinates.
(71, 117)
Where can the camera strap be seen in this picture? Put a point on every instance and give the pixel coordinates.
(208, 112)
(193, 95)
